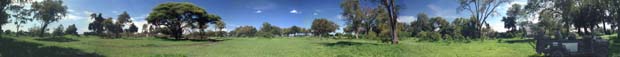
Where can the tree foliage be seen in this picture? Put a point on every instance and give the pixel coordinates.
(71, 30)
(268, 30)
(123, 19)
(244, 31)
(513, 13)
(322, 26)
(132, 28)
(59, 31)
(48, 11)
(173, 16)
(481, 10)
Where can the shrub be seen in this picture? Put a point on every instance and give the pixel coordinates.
(429, 36)
(372, 35)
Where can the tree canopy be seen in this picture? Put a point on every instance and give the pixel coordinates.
(174, 16)
(48, 11)
(322, 26)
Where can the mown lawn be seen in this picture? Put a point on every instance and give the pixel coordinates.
(282, 47)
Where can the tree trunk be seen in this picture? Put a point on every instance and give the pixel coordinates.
(357, 35)
(392, 19)
(42, 31)
(1, 29)
(18, 24)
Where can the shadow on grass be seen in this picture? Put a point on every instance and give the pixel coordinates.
(536, 55)
(56, 39)
(518, 41)
(614, 47)
(12, 48)
(347, 43)
(195, 40)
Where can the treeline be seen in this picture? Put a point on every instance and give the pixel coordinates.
(563, 17)
(44, 12)
(365, 19)
(107, 27)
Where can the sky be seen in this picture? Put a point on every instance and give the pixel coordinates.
(235, 13)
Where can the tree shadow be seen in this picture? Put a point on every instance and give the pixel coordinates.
(614, 47)
(347, 43)
(12, 48)
(56, 39)
(536, 55)
(191, 39)
(518, 41)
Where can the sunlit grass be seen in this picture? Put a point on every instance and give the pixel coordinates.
(288, 47)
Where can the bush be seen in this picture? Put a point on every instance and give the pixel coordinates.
(265, 34)
(429, 36)
(372, 35)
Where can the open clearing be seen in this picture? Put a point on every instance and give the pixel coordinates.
(280, 47)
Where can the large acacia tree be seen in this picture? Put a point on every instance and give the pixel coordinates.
(173, 16)
(48, 11)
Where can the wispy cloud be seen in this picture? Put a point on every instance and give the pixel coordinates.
(295, 11)
(406, 19)
(439, 11)
(259, 11)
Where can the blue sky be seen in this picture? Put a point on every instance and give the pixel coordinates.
(282, 13)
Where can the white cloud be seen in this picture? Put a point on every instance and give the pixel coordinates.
(70, 10)
(88, 12)
(406, 19)
(498, 27)
(139, 24)
(73, 17)
(140, 17)
(295, 12)
(115, 12)
(315, 13)
(259, 11)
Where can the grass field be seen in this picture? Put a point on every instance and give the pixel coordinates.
(92, 46)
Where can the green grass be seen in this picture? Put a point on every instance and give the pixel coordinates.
(286, 47)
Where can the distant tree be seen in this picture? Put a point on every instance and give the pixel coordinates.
(421, 24)
(220, 25)
(123, 19)
(132, 28)
(322, 26)
(48, 11)
(438, 23)
(244, 31)
(58, 31)
(441, 25)
(72, 30)
(97, 25)
(111, 28)
(510, 20)
(34, 31)
(145, 28)
(294, 30)
(174, 15)
(481, 10)
(20, 15)
(202, 23)
(268, 30)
